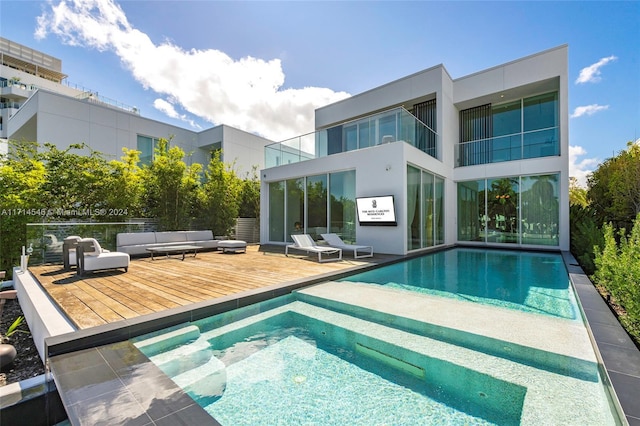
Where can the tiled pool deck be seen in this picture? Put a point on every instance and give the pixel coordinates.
(113, 383)
(619, 354)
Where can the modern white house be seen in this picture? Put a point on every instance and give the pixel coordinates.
(37, 105)
(428, 160)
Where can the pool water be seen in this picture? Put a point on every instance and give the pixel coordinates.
(526, 281)
(351, 353)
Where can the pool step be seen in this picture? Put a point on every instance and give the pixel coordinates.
(188, 360)
(153, 344)
(205, 383)
(473, 327)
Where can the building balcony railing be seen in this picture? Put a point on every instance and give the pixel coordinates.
(396, 124)
(518, 146)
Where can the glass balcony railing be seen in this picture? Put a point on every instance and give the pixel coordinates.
(393, 125)
(534, 144)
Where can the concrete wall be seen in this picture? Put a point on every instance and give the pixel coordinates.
(42, 315)
(58, 119)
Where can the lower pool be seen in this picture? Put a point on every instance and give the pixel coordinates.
(526, 281)
(349, 352)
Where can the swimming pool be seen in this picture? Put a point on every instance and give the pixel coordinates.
(353, 353)
(526, 281)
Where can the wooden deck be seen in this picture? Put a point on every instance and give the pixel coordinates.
(156, 285)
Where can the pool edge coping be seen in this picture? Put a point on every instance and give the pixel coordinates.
(583, 287)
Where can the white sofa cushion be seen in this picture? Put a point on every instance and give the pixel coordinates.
(135, 238)
(199, 235)
(171, 237)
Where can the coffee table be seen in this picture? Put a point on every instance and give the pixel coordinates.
(174, 249)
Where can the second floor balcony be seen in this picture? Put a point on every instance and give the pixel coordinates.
(517, 146)
(393, 125)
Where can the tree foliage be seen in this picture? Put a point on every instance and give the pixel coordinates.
(614, 188)
(45, 183)
(22, 178)
(577, 194)
(171, 193)
(220, 196)
(618, 270)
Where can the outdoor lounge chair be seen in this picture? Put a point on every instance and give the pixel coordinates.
(333, 240)
(304, 242)
(92, 257)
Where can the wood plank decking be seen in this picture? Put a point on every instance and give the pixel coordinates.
(153, 286)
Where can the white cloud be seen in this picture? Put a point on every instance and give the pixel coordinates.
(581, 169)
(246, 93)
(168, 108)
(588, 110)
(591, 74)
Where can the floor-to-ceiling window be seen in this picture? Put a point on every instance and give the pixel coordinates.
(471, 210)
(413, 207)
(313, 205)
(439, 210)
(502, 210)
(428, 208)
(425, 208)
(510, 210)
(276, 211)
(342, 204)
(524, 128)
(316, 205)
(294, 207)
(540, 209)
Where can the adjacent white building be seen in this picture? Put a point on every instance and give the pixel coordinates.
(478, 160)
(36, 105)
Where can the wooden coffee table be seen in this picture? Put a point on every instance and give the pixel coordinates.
(174, 249)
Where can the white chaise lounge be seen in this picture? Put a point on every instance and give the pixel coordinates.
(95, 258)
(304, 242)
(333, 240)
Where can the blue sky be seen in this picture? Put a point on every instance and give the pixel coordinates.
(264, 66)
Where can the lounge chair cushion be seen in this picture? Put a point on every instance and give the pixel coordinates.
(304, 242)
(359, 251)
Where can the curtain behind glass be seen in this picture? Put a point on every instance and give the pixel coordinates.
(413, 208)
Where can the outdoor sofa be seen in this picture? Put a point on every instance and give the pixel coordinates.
(137, 243)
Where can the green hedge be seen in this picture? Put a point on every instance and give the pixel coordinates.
(618, 271)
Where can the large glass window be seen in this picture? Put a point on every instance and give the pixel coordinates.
(527, 128)
(502, 210)
(305, 205)
(413, 208)
(512, 210)
(540, 112)
(316, 205)
(439, 210)
(428, 208)
(276, 211)
(146, 145)
(295, 208)
(425, 222)
(506, 118)
(342, 194)
(540, 210)
(472, 218)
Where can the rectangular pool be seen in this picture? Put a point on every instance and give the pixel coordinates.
(526, 281)
(349, 352)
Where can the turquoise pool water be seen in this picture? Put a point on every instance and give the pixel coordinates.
(350, 353)
(526, 281)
